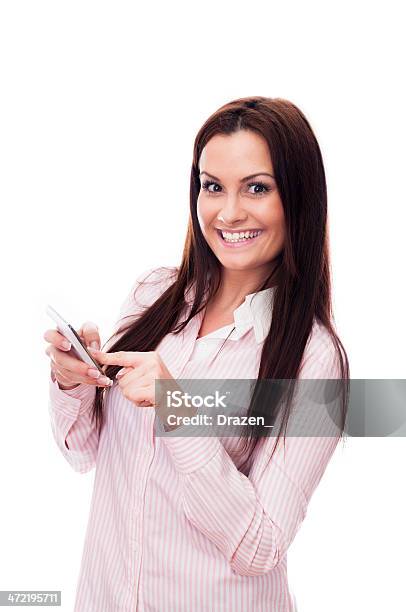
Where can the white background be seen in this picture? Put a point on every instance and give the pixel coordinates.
(100, 105)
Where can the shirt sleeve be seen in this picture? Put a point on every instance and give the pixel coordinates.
(74, 432)
(253, 519)
(70, 410)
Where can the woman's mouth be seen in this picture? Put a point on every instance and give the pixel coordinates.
(238, 239)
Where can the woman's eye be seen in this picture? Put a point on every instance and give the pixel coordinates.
(208, 184)
(264, 188)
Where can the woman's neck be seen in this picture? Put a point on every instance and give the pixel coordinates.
(236, 284)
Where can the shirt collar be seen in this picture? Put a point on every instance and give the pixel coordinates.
(254, 312)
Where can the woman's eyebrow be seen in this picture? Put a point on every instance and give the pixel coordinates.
(242, 180)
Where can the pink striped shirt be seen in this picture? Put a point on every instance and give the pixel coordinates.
(174, 526)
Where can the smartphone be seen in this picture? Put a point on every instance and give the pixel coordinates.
(71, 334)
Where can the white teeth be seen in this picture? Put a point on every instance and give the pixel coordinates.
(238, 236)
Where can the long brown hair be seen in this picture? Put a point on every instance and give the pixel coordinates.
(303, 292)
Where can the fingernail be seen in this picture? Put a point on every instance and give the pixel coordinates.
(106, 381)
(66, 345)
(94, 373)
(94, 344)
(91, 348)
(119, 373)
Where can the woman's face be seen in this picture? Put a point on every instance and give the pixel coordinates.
(230, 201)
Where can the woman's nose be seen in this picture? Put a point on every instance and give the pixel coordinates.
(232, 211)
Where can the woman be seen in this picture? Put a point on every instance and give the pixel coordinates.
(180, 523)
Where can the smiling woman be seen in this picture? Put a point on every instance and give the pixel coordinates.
(181, 522)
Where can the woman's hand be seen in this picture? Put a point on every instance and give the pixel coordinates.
(66, 368)
(137, 377)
